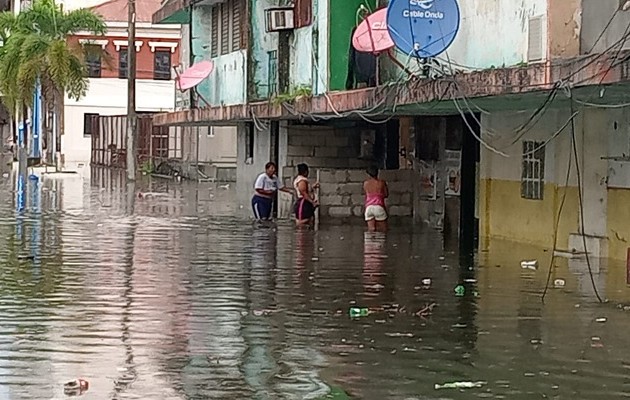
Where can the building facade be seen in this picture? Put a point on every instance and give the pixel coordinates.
(483, 133)
(158, 50)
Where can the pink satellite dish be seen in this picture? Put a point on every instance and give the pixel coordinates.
(194, 75)
(372, 35)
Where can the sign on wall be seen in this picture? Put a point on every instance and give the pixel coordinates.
(452, 163)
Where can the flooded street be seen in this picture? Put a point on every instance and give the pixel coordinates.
(178, 296)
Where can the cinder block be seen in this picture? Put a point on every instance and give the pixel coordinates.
(334, 199)
(337, 141)
(325, 152)
(393, 199)
(328, 175)
(357, 199)
(357, 211)
(356, 175)
(340, 211)
(301, 151)
(399, 187)
(350, 188)
(405, 199)
(400, 211)
(304, 140)
(356, 163)
(347, 152)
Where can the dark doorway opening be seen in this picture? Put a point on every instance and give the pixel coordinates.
(469, 219)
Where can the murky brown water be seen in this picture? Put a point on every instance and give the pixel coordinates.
(177, 297)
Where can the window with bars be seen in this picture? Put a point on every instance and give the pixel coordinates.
(533, 173)
(272, 79)
(90, 121)
(93, 60)
(162, 65)
(225, 29)
(123, 56)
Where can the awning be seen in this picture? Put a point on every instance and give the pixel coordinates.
(173, 12)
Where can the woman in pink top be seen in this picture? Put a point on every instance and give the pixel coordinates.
(376, 192)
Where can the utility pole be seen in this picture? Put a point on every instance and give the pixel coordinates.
(132, 123)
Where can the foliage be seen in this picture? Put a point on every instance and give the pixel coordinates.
(147, 167)
(36, 47)
(289, 97)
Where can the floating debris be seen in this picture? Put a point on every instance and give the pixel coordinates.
(459, 385)
(76, 387)
(601, 320)
(532, 264)
(559, 283)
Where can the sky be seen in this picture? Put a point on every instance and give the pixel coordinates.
(72, 4)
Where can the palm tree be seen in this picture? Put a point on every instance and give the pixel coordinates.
(36, 51)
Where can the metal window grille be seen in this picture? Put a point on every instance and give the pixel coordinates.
(533, 173)
(162, 65)
(122, 63)
(214, 32)
(93, 61)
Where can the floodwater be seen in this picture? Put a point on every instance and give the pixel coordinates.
(176, 296)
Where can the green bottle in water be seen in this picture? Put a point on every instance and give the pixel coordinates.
(356, 312)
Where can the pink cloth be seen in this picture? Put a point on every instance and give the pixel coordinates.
(374, 199)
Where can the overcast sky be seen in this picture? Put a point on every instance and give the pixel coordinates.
(72, 4)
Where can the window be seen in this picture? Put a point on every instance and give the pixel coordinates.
(225, 30)
(162, 65)
(303, 13)
(272, 79)
(93, 60)
(533, 174)
(123, 56)
(211, 131)
(90, 124)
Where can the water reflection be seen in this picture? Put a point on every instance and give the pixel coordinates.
(173, 296)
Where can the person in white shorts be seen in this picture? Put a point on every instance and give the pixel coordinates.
(376, 192)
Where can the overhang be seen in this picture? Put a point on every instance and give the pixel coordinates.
(173, 12)
(492, 87)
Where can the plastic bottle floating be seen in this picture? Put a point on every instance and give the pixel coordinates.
(356, 312)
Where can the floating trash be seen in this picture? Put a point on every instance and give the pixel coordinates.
(459, 385)
(533, 264)
(559, 283)
(76, 387)
(356, 312)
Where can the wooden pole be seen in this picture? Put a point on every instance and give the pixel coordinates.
(132, 123)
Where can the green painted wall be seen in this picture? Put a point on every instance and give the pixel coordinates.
(343, 17)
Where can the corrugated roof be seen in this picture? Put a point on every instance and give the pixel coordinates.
(116, 10)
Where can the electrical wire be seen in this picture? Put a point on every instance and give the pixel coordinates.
(557, 226)
(581, 201)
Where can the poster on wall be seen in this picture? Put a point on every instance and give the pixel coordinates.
(428, 177)
(453, 161)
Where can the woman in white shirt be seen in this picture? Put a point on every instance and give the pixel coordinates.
(265, 188)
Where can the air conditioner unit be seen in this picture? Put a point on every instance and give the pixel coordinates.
(279, 19)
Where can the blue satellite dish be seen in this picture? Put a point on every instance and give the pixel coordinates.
(423, 28)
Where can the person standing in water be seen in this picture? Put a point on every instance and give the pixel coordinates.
(266, 188)
(376, 192)
(306, 203)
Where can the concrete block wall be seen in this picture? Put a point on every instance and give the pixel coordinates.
(324, 147)
(341, 193)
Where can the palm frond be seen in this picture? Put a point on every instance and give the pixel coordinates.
(82, 20)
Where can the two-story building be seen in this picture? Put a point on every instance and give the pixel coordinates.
(483, 132)
(157, 48)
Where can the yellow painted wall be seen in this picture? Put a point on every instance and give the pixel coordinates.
(618, 223)
(505, 215)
